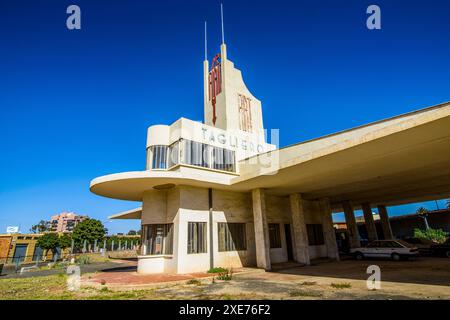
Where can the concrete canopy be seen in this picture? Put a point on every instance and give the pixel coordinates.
(398, 160)
(129, 214)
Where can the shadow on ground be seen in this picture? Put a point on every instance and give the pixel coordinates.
(429, 271)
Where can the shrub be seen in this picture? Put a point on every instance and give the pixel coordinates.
(217, 270)
(226, 275)
(83, 259)
(344, 285)
(194, 281)
(435, 235)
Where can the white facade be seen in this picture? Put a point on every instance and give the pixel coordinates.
(189, 226)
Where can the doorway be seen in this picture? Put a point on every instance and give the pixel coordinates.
(20, 253)
(287, 232)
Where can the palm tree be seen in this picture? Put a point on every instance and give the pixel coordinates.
(423, 212)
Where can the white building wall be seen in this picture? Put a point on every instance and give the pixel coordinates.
(185, 204)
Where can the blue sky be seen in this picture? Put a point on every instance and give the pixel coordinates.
(75, 105)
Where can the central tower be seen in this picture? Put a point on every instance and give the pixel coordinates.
(228, 104)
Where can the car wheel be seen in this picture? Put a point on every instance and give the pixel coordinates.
(395, 256)
(448, 254)
(359, 256)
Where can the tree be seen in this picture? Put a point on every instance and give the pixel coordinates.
(65, 241)
(48, 241)
(132, 233)
(423, 212)
(435, 235)
(88, 230)
(41, 227)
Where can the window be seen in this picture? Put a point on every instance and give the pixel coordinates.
(196, 153)
(174, 154)
(232, 236)
(393, 244)
(315, 234)
(159, 157)
(223, 159)
(274, 235)
(196, 237)
(157, 239)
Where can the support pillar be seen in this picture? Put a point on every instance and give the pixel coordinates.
(385, 224)
(261, 229)
(350, 221)
(370, 222)
(301, 246)
(328, 230)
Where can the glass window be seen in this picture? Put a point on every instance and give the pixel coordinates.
(174, 154)
(159, 157)
(195, 153)
(157, 239)
(274, 235)
(315, 234)
(196, 237)
(232, 236)
(374, 244)
(223, 159)
(394, 244)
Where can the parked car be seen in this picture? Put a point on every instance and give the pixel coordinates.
(394, 249)
(442, 250)
(424, 245)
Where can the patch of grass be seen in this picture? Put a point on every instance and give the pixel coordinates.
(35, 288)
(304, 293)
(217, 270)
(343, 285)
(308, 283)
(83, 259)
(194, 281)
(227, 296)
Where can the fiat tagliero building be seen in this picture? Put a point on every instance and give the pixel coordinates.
(216, 194)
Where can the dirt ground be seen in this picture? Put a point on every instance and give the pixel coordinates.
(423, 278)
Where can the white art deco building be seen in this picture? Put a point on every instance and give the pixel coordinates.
(216, 194)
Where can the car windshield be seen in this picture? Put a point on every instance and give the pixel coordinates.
(404, 243)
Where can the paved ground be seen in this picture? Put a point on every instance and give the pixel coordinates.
(424, 278)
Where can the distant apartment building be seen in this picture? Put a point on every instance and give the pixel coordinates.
(65, 222)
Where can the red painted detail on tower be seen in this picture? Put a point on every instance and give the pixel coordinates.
(215, 83)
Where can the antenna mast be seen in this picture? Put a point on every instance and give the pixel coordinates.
(206, 42)
(221, 18)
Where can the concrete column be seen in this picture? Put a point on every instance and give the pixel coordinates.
(328, 230)
(385, 224)
(370, 223)
(261, 229)
(301, 247)
(350, 221)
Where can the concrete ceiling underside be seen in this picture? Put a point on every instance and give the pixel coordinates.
(411, 165)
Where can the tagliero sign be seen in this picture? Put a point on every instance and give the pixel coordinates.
(231, 141)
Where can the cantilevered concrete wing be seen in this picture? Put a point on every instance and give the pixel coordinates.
(129, 214)
(398, 160)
